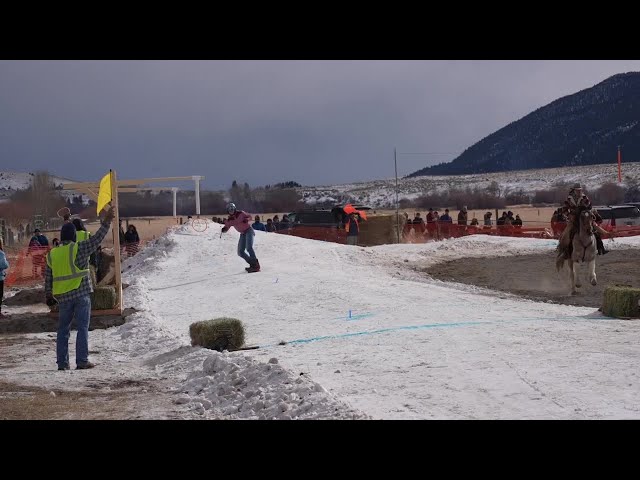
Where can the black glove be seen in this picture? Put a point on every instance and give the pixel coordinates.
(51, 301)
(109, 215)
(224, 229)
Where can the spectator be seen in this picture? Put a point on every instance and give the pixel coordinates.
(67, 284)
(240, 220)
(81, 231)
(40, 238)
(352, 228)
(487, 219)
(445, 221)
(418, 224)
(55, 242)
(407, 226)
(122, 233)
(258, 225)
(474, 222)
(4, 266)
(37, 252)
(462, 216)
(431, 224)
(270, 227)
(131, 241)
(518, 221)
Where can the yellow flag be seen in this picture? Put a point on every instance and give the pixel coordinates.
(104, 194)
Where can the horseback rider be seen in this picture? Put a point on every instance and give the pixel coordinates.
(576, 201)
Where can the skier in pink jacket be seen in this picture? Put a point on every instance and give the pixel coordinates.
(240, 220)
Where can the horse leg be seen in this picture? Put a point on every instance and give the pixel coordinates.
(592, 272)
(572, 278)
(576, 275)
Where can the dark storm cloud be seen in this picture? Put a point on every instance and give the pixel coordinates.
(316, 122)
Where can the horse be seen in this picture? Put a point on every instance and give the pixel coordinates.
(583, 250)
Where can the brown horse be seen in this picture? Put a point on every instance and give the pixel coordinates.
(583, 250)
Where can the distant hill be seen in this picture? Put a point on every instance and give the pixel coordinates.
(580, 129)
(10, 182)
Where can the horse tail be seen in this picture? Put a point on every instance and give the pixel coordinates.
(559, 262)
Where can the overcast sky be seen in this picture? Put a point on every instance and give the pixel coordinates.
(315, 122)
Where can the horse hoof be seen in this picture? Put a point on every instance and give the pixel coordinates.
(594, 282)
(578, 285)
(574, 292)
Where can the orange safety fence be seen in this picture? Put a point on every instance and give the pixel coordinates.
(27, 265)
(420, 233)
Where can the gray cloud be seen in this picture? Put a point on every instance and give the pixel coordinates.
(316, 122)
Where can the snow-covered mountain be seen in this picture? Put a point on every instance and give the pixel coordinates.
(579, 129)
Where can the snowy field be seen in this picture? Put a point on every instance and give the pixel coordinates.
(367, 335)
(382, 193)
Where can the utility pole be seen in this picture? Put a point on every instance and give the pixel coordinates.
(619, 166)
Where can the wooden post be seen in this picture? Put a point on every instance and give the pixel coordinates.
(619, 166)
(116, 241)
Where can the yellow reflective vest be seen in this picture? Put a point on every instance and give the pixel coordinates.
(66, 275)
(82, 235)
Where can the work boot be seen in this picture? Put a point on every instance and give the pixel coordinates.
(84, 366)
(254, 268)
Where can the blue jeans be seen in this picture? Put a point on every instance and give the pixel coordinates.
(81, 307)
(246, 243)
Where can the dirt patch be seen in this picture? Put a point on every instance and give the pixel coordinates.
(122, 402)
(26, 296)
(535, 276)
(97, 399)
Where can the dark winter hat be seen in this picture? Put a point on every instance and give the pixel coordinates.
(78, 224)
(68, 233)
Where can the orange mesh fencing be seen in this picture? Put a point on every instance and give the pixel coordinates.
(27, 267)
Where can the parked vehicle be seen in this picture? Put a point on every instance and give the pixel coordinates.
(318, 224)
(623, 214)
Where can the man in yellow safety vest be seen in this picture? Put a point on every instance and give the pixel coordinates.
(67, 283)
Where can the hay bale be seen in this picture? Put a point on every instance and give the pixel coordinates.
(380, 230)
(621, 301)
(218, 334)
(108, 268)
(103, 298)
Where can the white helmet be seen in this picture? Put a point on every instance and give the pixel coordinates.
(231, 208)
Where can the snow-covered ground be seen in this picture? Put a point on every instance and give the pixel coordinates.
(365, 335)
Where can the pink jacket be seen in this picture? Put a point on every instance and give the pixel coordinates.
(240, 220)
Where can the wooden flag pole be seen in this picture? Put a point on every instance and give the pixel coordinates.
(116, 241)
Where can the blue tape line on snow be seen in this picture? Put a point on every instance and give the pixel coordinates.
(383, 330)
